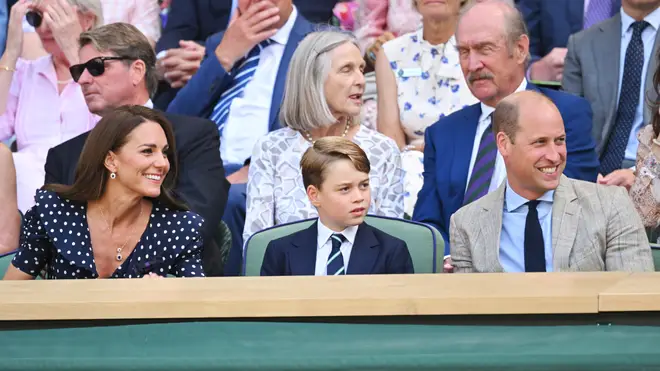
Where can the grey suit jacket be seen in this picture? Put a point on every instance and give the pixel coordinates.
(594, 228)
(591, 70)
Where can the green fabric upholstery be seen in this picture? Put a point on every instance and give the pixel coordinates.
(5, 260)
(423, 242)
(252, 346)
(655, 250)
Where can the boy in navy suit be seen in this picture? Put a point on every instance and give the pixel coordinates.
(335, 173)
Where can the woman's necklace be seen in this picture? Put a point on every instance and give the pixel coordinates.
(309, 136)
(60, 82)
(119, 256)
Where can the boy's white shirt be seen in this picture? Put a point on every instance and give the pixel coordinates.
(324, 246)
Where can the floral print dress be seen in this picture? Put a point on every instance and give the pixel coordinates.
(430, 85)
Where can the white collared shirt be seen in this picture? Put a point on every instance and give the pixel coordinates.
(324, 246)
(249, 115)
(149, 104)
(499, 174)
(648, 40)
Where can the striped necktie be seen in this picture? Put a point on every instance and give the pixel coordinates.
(597, 11)
(335, 265)
(484, 166)
(242, 76)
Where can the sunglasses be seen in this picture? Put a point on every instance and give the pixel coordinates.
(34, 18)
(95, 66)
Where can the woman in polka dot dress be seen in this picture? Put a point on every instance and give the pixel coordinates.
(118, 219)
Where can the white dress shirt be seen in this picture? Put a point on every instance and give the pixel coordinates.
(648, 39)
(249, 115)
(324, 245)
(499, 174)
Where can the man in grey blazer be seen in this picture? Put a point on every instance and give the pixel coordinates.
(611, 65)
(539, 220)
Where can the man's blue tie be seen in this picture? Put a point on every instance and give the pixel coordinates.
(335, 264)
(484, 166)
(242, 76)
(534, 245)
(615, 149)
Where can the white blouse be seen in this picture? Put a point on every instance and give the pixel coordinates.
(275, 190)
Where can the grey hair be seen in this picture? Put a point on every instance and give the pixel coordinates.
(304, 106)
(92, 6)
(514, 22)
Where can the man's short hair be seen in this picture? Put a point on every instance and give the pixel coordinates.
(507, 112)
(325, 152)
(124, 40)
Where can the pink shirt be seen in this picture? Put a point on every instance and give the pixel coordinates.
(37, 114)
(377, 16)
(143, 14)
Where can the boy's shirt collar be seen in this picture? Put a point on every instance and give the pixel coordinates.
(324, 234)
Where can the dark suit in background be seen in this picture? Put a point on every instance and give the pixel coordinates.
(374, 252)
(551, 22)
(448, 151)
(201, 183)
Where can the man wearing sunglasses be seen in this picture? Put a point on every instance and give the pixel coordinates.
(119, 68)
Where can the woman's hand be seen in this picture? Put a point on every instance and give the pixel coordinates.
(15, 32)
(62, 19)
(152, 275)
(373, 50)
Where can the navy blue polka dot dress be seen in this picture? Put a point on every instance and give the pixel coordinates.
(55, 239)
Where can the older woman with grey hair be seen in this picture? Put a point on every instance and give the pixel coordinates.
(323, 97)
(39, 101)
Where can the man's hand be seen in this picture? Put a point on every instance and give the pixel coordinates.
(246, 31)
(550, 67)
(239, 177)
(621, 177)
(180, 64)
(448, 267)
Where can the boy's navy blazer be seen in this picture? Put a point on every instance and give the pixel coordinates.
(374, 252)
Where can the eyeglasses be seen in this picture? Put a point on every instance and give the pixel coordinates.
(34, 18)
(95, 66)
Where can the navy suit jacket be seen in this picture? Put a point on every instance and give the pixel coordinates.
(374, 252)
(204, 89)
(194, 20)
(448, 149)
(551, 22)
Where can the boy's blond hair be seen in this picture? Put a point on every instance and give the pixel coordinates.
(326, 151)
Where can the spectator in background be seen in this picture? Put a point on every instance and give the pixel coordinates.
(645, 191)
(181, 46)
(143, 14)
(323, 98)
(10, 218)
(542, 221)
(4, 18)
(550, 23)
(316, 11)
(420, 81)
(461, 163)
(612, 66)
(108, 84)
(243, 95)
(39, 101)
(113, 221)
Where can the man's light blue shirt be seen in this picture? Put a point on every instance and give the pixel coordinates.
(514, 218)
(648, 39)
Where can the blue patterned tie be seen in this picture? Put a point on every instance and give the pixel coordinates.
(614, 152)
(597, 11)
(484, 166)
(335, 264)
(242, 76)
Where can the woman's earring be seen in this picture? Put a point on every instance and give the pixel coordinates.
(113, 175)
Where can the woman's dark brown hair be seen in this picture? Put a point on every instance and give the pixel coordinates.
(111, 134)
(655, 104)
